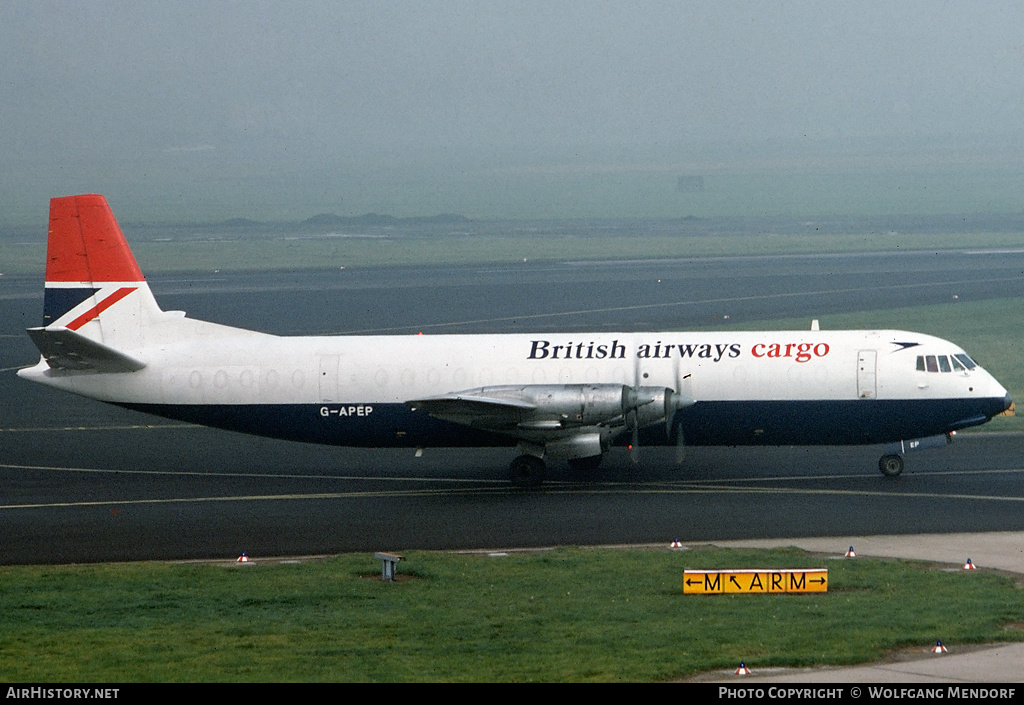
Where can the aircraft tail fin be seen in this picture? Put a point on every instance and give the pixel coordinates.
(94, 286)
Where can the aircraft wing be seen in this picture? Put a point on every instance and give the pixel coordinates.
(475, 410)
(65, 349)
(553, 410)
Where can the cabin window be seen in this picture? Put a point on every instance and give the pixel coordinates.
(931, 363)
(944, 364)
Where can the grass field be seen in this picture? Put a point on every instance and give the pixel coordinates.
(563, 615)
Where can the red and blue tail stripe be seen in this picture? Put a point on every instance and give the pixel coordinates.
(87, 258)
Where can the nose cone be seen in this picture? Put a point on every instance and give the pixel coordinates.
(994, 391)
(995, 396)
(998, 405)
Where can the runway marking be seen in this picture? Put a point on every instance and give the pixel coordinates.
(498, 477)
(362, 494)
(845, 476)
(267, 475)
(252, 498)
(870, 493)
(125, 427)
(714, 489)
(670, 304)
(681, 488)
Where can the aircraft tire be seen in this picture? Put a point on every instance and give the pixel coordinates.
(526, 471)
(891, 465)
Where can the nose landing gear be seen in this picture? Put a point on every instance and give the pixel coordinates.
(891, 465)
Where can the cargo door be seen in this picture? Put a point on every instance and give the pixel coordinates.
(866, 374)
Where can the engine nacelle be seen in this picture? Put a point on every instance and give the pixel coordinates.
(573, 405)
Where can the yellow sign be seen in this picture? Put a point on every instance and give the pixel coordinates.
(754, 581)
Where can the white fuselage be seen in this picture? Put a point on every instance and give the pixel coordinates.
(357, 380)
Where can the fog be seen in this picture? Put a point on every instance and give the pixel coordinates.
(184, 111)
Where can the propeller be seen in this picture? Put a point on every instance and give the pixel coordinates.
(680, 447)
(632, 400)
(636, 396)
(674, 401)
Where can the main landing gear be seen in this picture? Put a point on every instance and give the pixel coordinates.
(527, 471)
(891, 465)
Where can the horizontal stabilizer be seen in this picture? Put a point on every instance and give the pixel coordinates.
(65, 349)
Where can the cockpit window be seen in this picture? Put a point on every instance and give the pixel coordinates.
(942, 363)
(945, 363)
(968, 362)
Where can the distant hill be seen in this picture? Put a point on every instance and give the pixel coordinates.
(329, 220)
(240, 223)
(325, 222)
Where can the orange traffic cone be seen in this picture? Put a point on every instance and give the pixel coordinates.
(743, 670)
(851, 553)
(968, 565)
(938, 648)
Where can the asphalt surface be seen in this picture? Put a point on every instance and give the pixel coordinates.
(81, 481)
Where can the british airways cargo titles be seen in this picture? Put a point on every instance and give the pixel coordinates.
(799, 352)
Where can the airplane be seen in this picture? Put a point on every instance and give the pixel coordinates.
(566, 396)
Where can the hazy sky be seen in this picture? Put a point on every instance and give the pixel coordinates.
(209, 109)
